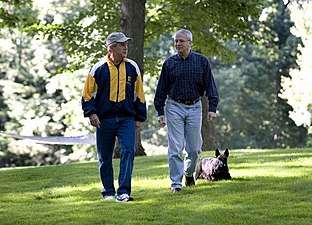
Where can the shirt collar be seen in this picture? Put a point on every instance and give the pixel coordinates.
(189, 55)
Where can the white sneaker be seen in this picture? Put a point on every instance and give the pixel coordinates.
(109, 197)
(123, 198)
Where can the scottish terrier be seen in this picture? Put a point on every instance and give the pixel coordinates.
(214, 169)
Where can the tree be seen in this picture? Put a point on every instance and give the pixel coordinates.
(286, 50)
(296, 88)
(208, 129)
(133, 11)
(253, 113)
(83, 27)
(29, 62)
(211, 23)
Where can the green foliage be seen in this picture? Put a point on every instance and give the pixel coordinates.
(248, 115)
(16, 13)
(151, 132)
(82, 31)
(268, 187)
(253, 114)
(36, 101)
(28, 64)
(296, 88)
(212, 22)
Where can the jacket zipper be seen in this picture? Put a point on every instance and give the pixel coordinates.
(117, 85)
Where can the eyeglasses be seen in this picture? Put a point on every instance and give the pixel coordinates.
(180, 40)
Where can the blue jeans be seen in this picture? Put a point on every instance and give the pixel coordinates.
(124, 129)
(184, 131)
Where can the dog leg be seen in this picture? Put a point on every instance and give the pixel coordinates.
(228, 176)
(198, 172)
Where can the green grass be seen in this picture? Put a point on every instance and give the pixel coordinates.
(268, 187)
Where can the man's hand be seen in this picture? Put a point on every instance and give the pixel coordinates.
(138, 124)
(95, 121)
(162, 121)
(211, 116)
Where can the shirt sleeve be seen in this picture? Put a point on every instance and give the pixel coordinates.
(211, 90)
(161, 91)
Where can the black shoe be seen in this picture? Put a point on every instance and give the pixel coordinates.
(189, 181)
(176, 190)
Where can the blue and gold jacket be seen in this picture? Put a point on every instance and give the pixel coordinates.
(110, 90)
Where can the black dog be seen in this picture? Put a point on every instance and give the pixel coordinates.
(214, 169)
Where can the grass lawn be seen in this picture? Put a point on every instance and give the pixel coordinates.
(268, 187)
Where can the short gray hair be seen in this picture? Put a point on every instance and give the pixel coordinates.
(110, 47)
(187, 33)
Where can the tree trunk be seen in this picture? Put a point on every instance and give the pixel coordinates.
(208, 130)
(116, 149)
(132, 24)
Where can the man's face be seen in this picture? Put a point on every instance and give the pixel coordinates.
(121, 49)
(182, 44)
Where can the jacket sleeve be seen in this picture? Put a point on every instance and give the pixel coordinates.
(87, 100)
(139, 100)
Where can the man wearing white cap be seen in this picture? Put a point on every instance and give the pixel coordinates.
(114, 101)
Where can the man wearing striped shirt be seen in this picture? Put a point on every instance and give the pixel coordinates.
(184, 78)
